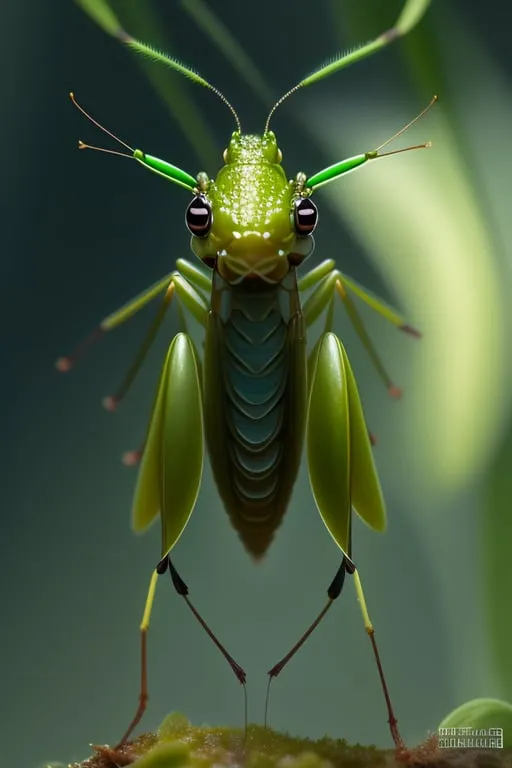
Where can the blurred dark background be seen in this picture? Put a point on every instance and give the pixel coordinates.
(84, 232)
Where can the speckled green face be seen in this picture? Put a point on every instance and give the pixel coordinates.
(252, 230)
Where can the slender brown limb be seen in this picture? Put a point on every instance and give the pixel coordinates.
(64, 364)
(347, 566)
(393, 722)
(112, 401)
(182, 589)
(237, 669)
(277, 668)
(143, 695)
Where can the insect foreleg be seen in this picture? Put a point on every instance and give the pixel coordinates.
(326, 280)
(314, 276)
(112, 401)
(191, 299)
(182, 590)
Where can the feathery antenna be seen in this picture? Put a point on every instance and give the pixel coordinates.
(82, 145)
(410, 15)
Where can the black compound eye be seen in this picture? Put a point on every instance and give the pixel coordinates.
(198, 217)
(305, 216)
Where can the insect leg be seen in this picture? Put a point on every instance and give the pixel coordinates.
(333, 592)
(171, 469)
(112, 401)
(110, 322)
(189, 283)
(194, 301)
(326, 280)
(347, 566)
(314, 276)
(317, 305)
(143, 694)
(393, 722)
(341, 468)
(182, 589)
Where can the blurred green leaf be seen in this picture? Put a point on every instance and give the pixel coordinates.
(102, 14)
(440, 260)
(411, 15)
(482, 714)
(226, 42)
(174, 722)
(165, 756)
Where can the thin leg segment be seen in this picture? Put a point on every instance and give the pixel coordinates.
(112, 401)
(189, 297)
(393, 722)
(328, 324)
(181, 588)
(334, 591)
(143, 694)
(188, 284)
(342, 472)
(326, 280)
(347, 566)
(116, 318)
(192, 285)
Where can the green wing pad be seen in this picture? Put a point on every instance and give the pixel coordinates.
(171, 467)
(340, 462)
(328, 438)
(367, 496)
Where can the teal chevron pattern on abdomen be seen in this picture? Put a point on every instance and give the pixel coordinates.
(255, 395)
(256, 375)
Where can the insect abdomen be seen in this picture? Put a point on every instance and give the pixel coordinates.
(255, 387)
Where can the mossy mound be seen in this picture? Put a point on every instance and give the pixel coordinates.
(178, 744)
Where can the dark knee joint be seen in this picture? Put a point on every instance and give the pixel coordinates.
(336, 585)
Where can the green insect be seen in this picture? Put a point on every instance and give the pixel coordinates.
(255, 395)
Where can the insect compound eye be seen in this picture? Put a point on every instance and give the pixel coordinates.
(198, 217)
(305, 216)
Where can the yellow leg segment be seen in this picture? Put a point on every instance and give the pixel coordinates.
(143, 695)
(393, 722)
(362, 602)
(149, 602)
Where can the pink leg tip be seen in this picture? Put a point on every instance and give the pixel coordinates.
(110, 403)
(131, 458)
(63, 364)
(395, 392)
